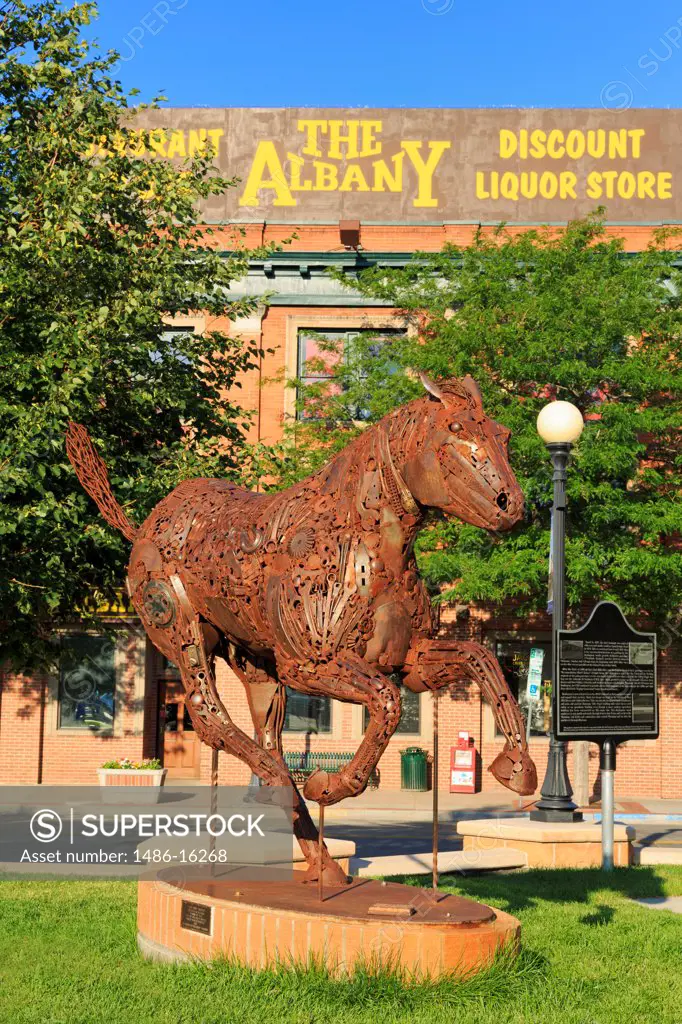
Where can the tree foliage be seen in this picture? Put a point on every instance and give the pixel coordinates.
(99, 247)
(533, 316)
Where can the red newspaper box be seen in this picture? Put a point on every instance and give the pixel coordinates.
(463, 765)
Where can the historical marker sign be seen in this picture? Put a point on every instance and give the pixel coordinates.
(606, 680)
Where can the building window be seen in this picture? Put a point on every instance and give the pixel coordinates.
(514, 659)
(320, 355)
(306, 713)
(410, 720)
(87, 683)
(174, 338)
(316, 367)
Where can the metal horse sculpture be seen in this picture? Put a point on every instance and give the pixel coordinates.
(316, 588)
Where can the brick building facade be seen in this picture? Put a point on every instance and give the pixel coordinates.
(121, 700)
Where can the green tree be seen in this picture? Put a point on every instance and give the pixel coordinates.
(99, 246)
(535, 316)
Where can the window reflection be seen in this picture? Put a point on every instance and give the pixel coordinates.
(410, 719)
(514, 659)
(87, 683)
(306, 713)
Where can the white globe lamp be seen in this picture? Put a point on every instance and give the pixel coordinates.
(560, 423)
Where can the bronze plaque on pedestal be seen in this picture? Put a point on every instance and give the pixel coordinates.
(195, 917)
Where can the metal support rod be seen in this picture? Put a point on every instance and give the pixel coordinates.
(434, 782)
(214, 780)
(607, 764)
(214, 804)
(529, 720)
(555, 803)
(320, 868)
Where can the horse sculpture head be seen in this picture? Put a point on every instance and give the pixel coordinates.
(462, 465)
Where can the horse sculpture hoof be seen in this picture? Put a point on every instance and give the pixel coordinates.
(327, 788)
(318, 787)
(515, 770)
(332, 873)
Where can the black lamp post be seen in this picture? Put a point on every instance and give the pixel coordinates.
(559, 425)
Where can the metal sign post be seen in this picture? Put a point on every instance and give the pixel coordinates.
(320, 865)
(435, 792)
(214, 805)
(607, 764)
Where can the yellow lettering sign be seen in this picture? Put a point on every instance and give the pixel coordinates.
(354, 180)
(425, 168)
(616, 143)
(384, 179)
(267, 173)
(311, 128)
(326, 177)
(328, 162)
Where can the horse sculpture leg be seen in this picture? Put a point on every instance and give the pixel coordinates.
(195, 642)
(267, 702)
(351, 680)
(432, 664)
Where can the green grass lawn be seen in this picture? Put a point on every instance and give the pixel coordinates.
(68, 956)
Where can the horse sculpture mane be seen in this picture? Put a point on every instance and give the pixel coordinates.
(316, 588)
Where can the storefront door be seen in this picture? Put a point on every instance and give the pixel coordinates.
(181, 746)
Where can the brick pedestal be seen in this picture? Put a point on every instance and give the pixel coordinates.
(369, 923)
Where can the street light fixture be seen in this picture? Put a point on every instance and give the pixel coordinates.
(559, 425)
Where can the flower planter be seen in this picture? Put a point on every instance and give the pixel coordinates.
(132, 785)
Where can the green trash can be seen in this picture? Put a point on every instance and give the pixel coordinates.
(413, 769)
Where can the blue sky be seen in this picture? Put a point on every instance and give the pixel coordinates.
(398, 53)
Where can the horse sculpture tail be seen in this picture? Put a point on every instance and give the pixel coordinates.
(92, 473)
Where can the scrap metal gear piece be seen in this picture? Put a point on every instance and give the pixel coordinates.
(158, 603)
(302, 542)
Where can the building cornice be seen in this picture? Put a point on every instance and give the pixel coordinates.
(308, 264)
(290, 278)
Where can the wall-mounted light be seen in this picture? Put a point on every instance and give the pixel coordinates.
(349, 230)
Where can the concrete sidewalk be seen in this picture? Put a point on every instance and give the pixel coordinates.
(414, 806)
